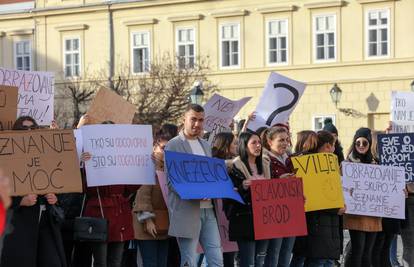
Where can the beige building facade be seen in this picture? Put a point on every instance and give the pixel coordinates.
(366, 47)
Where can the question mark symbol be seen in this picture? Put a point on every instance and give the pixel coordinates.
(286, 107)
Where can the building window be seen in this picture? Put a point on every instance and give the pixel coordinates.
(378, 33)
(318, 121)
(72, 55)
(230, 45)
(277, 41)
(186, 47)
(23, 55)
(325, 37)
(140, 52)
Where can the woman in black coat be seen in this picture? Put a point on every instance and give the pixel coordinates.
(35, 240)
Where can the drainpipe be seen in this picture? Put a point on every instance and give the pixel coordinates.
(111, 64)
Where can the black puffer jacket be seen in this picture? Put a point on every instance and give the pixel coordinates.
(324, 236)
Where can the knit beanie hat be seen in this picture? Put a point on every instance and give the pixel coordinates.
(328, 126)
(366, 133)
(363, 132)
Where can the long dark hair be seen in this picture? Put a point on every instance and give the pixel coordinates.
(221, 145)
(18, 124)
(244, 156)
(325, 137)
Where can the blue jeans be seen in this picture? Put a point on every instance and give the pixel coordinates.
(154, 253)
(286, 251)
(209, 239)
(299, 261)
(252, 253)
(393, 252)
(272, 255)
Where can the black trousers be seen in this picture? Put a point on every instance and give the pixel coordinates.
(362, 244)
(47, 249)
(381, 255)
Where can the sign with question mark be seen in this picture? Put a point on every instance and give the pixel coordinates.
(279, 98)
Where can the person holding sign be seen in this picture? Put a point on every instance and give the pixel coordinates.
(362, 229)
(323, 244)
(248, 166)
(36, 226)
(151, 213)
(193, 220)
(280, 167)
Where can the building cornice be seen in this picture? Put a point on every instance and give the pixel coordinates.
(275, 9)
(374, 1)
(229, 13)
(185, 18)
(337, 3)
(137, 22)
(72, 27)
(14, 32)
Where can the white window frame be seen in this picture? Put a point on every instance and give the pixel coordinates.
(72, 52)
(323, 117)
(30, 53)
(268, 36)
(134, 47)
(178, 44)
(315, 40)
(367, 28)
(221, 26)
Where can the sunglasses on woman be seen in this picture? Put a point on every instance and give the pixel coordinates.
(362, 143)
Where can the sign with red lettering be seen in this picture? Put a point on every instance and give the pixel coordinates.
(40, 161)
(36, 93)
(278, 208)
(8, 106)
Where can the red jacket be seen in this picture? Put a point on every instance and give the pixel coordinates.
(116, 207)
(277, 168)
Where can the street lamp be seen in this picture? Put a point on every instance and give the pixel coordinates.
(196, 94)
(412, 86)
(336, 94)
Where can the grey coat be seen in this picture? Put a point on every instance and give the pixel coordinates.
(184, 214)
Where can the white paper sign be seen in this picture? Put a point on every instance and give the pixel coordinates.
(79, 142)
(121, 154)
(216, 130)
(374, 190)
(221, 111)
(402, 112)
(279, 98)
(36, 93)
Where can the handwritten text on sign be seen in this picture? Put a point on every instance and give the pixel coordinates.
(279, 98)
(40, 161)
(36, 93)
(121, 154)
(8, 106)
(321, 180)
(278, 208)
(198, 177)
(402, 112)
(376, 190)
(398, 150)
(220, 111)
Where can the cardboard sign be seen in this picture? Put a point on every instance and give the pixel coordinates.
(36, 93)
(398, 150)
(278, 209)
(198, 177)
(321, 180)
(109, 106)
(8, 106)
(220, 111)
(40, 161)
(402, 112)
(376, 190)
(121, 154)
(279, 98)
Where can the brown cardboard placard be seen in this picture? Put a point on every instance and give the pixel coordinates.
(109, 106)
(40, 161)
(8, 106)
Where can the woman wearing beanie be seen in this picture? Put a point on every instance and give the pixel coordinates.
(362, 229)
(330, 127)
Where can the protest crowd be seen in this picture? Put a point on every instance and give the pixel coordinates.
(238, 196)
